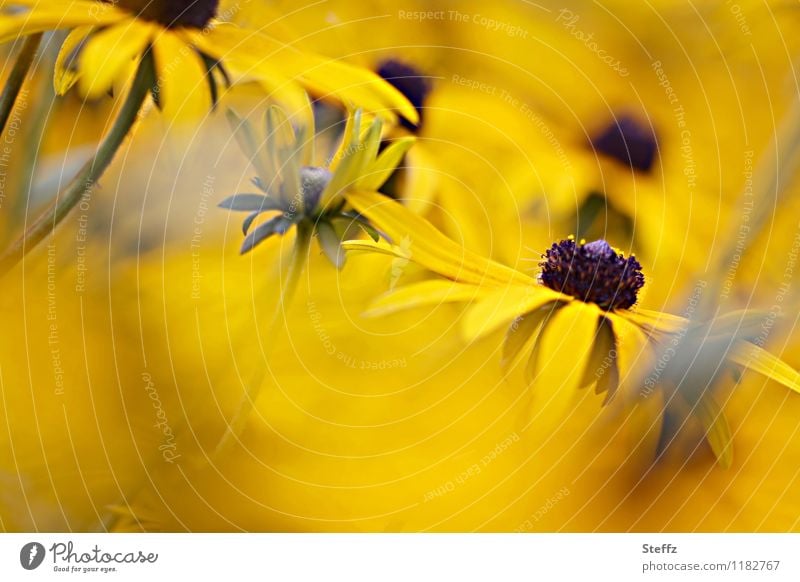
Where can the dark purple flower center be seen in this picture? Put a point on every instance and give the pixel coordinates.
(171, 13)
(629, 142)
(410, 82)
(592, 272)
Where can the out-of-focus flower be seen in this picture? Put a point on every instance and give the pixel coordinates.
(192, 52)
(312, 198)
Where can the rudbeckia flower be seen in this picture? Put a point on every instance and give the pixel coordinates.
(192, 51)
(576, 325)
(294, 192)
(311, 198)
(176, 51)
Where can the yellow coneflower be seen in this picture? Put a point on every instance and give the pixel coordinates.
(192, 50)
(310, 198)
(176, 51)
(586, 292)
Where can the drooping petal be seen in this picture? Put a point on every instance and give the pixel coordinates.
(602, 368)
(425, 293)
(502, 305)
(656, 320)
(742, 324)
(107, 55)
(245, 58)
(182, 79)
(718, 433)
(633, 354)
(523, 334)
(66, 71)
(561, 356)
(430, 248)
(759, 360)
(353, 86)
(44, 18)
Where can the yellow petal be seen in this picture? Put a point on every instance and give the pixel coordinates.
(742, 323)
(41, 19)
(523, 334)
(561, 357)
(502, 305)
(718, 433)
(426, 293)
(383, 167)
(182, 80)
(429, 247)
(371, 246)
(352, 163)
(66, 72)
(108, 53)
(354, 86)
(421, 179)
(656, 320)
(633, 354)
(758, 360)
(643, 426)
(244, 61)
(349, 136)
(602, 366)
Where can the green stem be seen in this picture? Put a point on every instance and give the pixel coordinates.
(82, 183)
(8, 98)
(296, 265)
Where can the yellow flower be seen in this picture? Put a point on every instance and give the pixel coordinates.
(296, 192)
(581, 310)
(192, 52)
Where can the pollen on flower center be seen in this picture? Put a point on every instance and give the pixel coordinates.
(171, 13)
(592, 272)
(410, 82)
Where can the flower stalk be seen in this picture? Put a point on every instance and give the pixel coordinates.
(8, 97)
(66, 201)
(297, 263)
